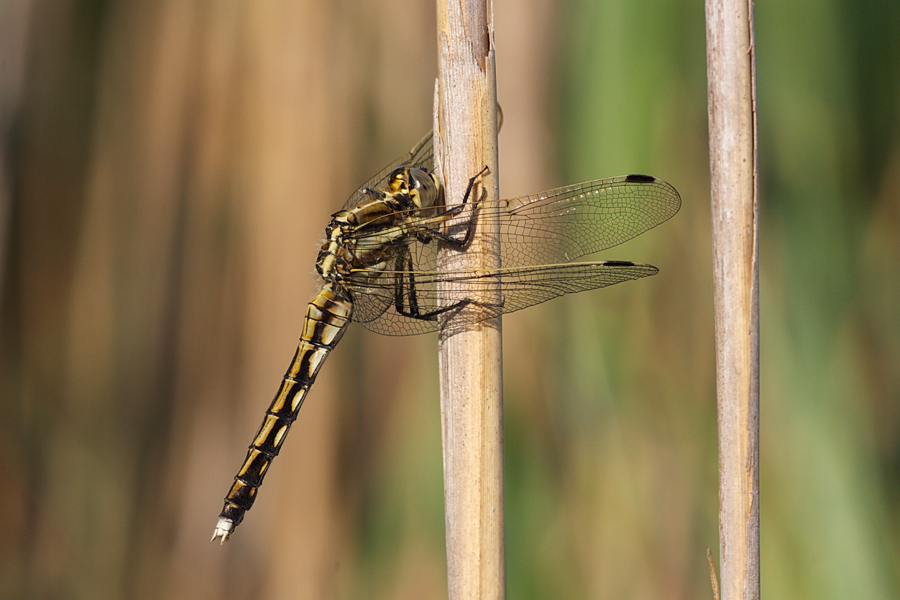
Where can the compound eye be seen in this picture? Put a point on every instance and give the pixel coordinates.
(425, 192)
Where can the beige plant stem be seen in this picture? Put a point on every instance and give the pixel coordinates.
(731, 71)
(470, 360)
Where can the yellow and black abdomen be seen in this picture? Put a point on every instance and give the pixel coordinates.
(327, 317)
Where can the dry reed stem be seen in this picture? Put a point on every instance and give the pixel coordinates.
(733, 167)
(470, 360)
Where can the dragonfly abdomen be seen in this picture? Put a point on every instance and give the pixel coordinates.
(327, 317)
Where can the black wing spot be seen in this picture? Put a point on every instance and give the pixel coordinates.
(619, 263)
(640, 179)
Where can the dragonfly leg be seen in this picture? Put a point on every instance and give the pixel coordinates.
(432, 315)
(455, 210)
(406, 287)
(407, 282)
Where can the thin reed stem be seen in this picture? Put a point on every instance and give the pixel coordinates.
(470, 359)
(731, 73)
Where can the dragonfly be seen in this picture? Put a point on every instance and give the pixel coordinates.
(379, 267)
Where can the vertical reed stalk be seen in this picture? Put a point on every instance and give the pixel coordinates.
(731, 72)
(470, 359)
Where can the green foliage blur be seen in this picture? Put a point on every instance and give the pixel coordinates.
(166, 170)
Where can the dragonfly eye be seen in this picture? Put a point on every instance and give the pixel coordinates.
(425, 191)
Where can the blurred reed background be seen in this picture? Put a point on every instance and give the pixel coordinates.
(167, 171)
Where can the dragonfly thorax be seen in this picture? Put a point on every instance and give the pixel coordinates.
(365, 236)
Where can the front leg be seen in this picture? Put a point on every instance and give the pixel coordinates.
(427, 234)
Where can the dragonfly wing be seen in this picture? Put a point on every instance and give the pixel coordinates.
(421, 156)
(561, 225)
(472, 293)
(553, 227)
(371, 302)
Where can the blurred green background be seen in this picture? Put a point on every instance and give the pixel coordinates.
(166, 171)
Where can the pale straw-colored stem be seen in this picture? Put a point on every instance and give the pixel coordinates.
(470, 359)
(731, 73)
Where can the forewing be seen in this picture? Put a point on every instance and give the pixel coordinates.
(375, 303)
(556, 226)
(421, 156)
(564, 224)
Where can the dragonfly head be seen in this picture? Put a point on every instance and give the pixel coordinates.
(418, 185)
